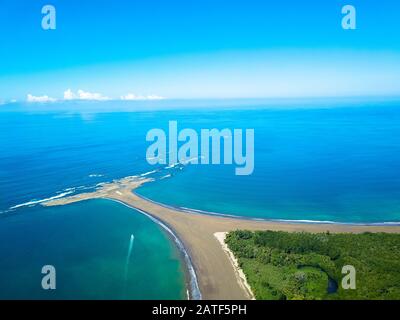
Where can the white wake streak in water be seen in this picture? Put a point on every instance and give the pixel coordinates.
(128, 257)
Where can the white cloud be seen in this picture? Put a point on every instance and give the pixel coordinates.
(86, 95)
(83, 95)
(131, 96)
(69, 95)
(31, 98)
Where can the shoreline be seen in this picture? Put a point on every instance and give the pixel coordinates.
(216, 278)
(290, 221)
(67, 192)
(192, 285)
(240, 275)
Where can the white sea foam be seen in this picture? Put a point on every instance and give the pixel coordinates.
(190, 210)
(33, 202)
(337, 222)
(69, 189)
(147, 173)
(305, 221)
(131, 177)
(191, 159)
(95, 175)
(73, 189)
(172, 165)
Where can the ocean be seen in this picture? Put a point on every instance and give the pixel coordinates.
(89, 244)
(335, 161)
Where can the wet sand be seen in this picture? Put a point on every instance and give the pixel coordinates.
(217, 277)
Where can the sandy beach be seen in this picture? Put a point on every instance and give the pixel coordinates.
(217, 276)
(240, 276)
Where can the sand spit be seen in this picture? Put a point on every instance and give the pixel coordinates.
(217, 279)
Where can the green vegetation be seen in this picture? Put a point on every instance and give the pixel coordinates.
(282, 265)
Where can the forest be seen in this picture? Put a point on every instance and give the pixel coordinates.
(306, 266)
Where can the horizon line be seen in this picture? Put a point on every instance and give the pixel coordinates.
(164, 99)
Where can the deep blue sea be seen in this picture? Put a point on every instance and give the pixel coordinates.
(321, 161)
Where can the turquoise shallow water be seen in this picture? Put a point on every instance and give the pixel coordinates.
(88, 245)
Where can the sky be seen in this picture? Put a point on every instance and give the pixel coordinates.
(189, 49)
